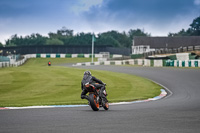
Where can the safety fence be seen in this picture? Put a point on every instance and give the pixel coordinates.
(14, 64)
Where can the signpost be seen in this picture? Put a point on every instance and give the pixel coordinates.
(93, 40)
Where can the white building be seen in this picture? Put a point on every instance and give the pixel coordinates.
(141, 49)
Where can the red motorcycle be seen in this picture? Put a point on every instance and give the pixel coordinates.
(95, 101)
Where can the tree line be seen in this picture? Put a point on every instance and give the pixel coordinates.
(113, 38)
(193, 30)
(66, 36)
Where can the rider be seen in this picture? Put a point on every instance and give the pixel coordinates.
(49, 63)
(87, 77)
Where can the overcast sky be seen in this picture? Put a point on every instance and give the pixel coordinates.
(158, 17)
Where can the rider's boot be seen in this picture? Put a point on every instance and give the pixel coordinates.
(84, 97)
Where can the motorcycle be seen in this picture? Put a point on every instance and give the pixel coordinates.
(95, 101)
(49, 63)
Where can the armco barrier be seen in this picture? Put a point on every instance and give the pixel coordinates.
(4, 64)
(158, 63)
(141, 62)
(65, 55)
(147, 62)
(18, 63)
(183, 63)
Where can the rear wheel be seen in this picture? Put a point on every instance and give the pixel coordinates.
(93, 102)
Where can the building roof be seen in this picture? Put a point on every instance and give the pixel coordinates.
(167, 42)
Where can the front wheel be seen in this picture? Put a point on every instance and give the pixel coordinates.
(106, 104)
(94, 102)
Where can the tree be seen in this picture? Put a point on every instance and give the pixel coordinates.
(62, 33)
(54, 41)
(66, 36)
(195, 26)
(11, 42)
(137, 32)
(183, 32)
(107, 40)
(80, 39)
(194, 29)
(1, 45)
(117, 39)
(65, 32)
(33, 39)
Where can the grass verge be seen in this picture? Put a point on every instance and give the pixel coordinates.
(35, 83)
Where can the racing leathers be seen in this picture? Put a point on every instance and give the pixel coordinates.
(92, 80)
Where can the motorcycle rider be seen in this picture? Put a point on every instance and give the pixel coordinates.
(88, 78)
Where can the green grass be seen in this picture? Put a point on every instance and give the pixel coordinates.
(35, 83)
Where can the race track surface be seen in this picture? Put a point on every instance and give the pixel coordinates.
(179, 112)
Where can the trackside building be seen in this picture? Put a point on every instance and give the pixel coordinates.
(147, 44)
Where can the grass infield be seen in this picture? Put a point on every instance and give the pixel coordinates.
(35, 83)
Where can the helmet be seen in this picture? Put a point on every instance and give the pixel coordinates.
(87, 73)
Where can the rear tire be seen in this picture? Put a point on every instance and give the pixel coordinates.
(93, 102)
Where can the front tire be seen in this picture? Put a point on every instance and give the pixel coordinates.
(93, 102)
(105, 105)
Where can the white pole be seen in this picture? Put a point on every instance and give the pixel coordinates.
(92, 47)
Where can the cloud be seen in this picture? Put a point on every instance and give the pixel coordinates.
(197, 2)
(131, 11)
(85, 5)
(158, 17)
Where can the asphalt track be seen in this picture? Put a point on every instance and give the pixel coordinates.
(179, 112)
